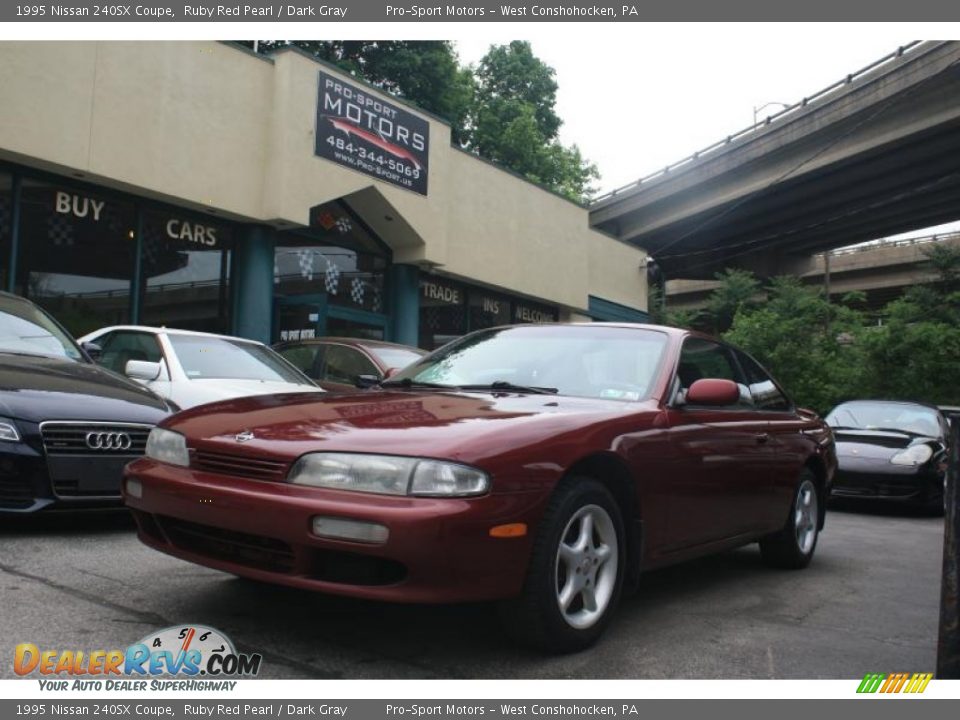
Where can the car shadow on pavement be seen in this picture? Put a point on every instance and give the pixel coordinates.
(68, 523)
(450, 641)
(865, 506)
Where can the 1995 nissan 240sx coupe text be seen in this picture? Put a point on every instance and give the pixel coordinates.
(543, 466)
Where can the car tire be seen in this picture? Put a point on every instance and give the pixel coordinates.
(575, 576)
(792, 547)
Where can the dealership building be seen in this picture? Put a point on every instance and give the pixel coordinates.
(198, 185)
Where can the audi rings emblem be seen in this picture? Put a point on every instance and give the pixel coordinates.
(108, 441)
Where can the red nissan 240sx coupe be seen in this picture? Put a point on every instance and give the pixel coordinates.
(543, 466)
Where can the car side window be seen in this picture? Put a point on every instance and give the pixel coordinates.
(766, 395)
(303, 357)
(344, 365)
(702, 358)
(121, 346)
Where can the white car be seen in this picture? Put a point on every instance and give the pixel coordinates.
(191, 368)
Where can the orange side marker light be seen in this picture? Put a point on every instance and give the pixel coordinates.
(509, 530)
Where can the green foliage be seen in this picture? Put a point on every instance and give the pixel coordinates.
(945, 259)
(738, 290)
(795, 336)
(824, 353)
(503, 110)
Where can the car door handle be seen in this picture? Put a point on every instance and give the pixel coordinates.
(762, 438)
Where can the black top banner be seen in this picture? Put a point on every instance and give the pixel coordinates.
(361, 131)
(481, 11)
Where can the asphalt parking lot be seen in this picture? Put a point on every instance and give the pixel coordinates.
(868, 603)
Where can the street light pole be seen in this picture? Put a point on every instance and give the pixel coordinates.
(758, 108)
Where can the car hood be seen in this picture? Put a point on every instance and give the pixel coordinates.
(452, 425)
(879, 445)
(34, 389)
(200, 391)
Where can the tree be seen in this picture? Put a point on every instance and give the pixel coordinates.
(810, 345)
(514, 123)
(945, 259)
(738, 290)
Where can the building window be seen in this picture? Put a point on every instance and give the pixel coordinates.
(6, 228)
(336, 256)
(77, 251)
(185, 263)
(527, 312)
(443, 312)
(488, 310)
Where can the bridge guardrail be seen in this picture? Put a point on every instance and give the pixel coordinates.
(699, 154)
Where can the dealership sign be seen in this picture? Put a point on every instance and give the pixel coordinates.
(361, 131)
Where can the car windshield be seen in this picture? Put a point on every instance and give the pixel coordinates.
(902, 417)
(595, 361)
(27, 330)
(205, 358)
(391, 357)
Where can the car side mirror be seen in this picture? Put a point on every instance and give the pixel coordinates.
(366, 381)
(93, 350)
(713, 392)
(142, 370)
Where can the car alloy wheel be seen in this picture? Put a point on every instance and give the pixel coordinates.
(806, 517)
(576, 569)
(794, 545)
(586, 567)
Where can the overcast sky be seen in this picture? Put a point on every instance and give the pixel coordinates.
(635, 104)
(635, 99)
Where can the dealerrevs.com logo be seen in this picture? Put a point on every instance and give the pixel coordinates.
(180, 651)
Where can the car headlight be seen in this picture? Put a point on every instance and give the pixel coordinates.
(914, 455)
(8, 430)
(167, 446)
(388, 475)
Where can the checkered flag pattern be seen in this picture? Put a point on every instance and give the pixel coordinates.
(357, 287)
(331, 278)
(60, 230)
(343, 225)
(376, 303)
(305, 258)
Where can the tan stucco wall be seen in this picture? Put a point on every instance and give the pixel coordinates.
(208, 125)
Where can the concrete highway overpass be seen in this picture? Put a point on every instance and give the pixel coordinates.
(883, 271)
(873, 155)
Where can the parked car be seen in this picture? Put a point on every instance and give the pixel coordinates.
(890, 450)
(190, 368)
(347, 364)
(67, 427)
(544, 466)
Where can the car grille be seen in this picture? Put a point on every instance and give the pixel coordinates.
(239, 466)
(241, 548)
(117, 439)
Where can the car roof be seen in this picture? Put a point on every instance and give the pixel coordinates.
(364, 342)
(884, 401)
(171, 331)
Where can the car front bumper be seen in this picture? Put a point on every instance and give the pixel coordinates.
(438, 549)
(31, 480)
(893, 483)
